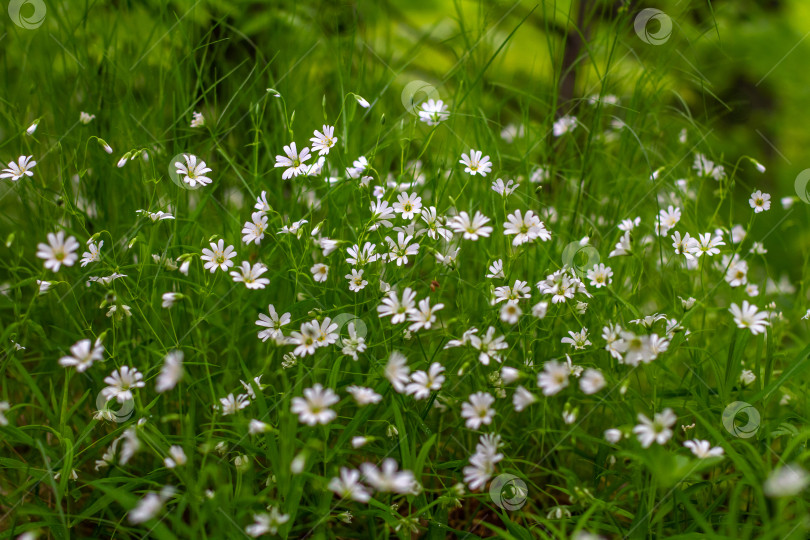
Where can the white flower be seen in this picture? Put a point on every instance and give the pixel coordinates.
(58, 251)
(705, 244)
(433, 112)
(578, 340)
(253, 231)
(171, 372)
(749, 317)
(667, 219)
(319, 272)
(553, 378)
(511, 132)
(170, 298)
(423, 383)
(397, 371)
(23, 167)
(600, 275)
(107, 148)
(509, 374)
(496, 270)
(408, 205)
(425, 316)
(613, 435)
(193, 173)
(592, 381)
(348, 486)
(231, 405)
(267, 523)
(272, 323)
(323, 142)
(356, 281)
(359, 166)
(475, 164)
(93, 253)
(704, 167)
(148, 507)
(293, 228)
(364, 396)
(362, 101)
(218, 257)
(400, 249)
(489, 345)
(176, 457)
(622, 247)
(471, 229)
(82, 355)
(787, 481)
(354, 344)
(197, 120)
(293, 161)
(381, 214)
(703, 449)
(160, 215)
(737, 234)
(313, 408)
(511, 312)
(564, 125)
(525, 228)
(522, 398)
(760, 201)
(362, 256)
(86, 118)
(249, 275)
(657, 430)
(121, 382)
(483, 461)
(257, 426)
(388, 479)
(506, 189)
(477, 410)
(306, 340)
(325, 332)
(737, 273)
(397, 309)
(4, 406)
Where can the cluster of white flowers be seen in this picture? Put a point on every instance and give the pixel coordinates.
(397, 258)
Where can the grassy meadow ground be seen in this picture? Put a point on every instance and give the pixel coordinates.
(616, 347)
